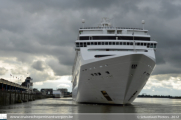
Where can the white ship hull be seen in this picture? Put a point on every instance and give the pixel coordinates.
(119, 79)
(112, 64)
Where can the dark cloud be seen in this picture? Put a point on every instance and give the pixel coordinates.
(58, 68)
(38, 65)
(32, 29)
(67, 59)
(169, 10)
(159, 58)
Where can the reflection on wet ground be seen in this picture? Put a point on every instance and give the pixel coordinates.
(67, 105)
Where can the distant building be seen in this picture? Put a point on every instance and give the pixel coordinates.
(68, 94)
(47, 91)
(36, 91)
(43, 92)
(28, 83)
(57, 94)
(63, 90)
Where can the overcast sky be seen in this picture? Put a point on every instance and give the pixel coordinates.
(37, 38)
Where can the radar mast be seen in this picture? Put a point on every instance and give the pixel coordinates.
(105, 22)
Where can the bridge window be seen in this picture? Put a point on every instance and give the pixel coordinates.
(151, 46)
(120, 43)
(154, 45)
(88, 43)
(99, 43)
(102, 43)
(114, 38)
(113, 43)
(77, 44)
(104, 38)
(106, 43)
(110, 43)
(127, 43)
(119, 32)
(111, 31)
(81, 44)
(117, 43)
(84, 38)
(148, 45)
(85, 44)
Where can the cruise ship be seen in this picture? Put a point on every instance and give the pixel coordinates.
(112, 64)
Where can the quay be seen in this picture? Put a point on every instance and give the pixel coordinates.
(10, 86)
(11, 93)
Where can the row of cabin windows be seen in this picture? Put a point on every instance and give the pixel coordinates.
(84, 44)
(110, 28)
(113, 38)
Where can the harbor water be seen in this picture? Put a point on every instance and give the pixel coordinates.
(67, 105)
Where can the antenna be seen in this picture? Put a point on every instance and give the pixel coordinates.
(83, 21)
(143, 22)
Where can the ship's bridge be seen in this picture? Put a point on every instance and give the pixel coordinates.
(105, 34)
(109, 31)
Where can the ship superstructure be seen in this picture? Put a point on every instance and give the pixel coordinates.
(112, 64)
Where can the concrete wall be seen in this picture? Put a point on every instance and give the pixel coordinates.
(9, 97)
